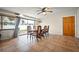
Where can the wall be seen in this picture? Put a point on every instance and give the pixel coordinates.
(6, 34)
(77, 23)
(55, 20)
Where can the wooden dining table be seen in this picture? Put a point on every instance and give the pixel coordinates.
(34, 31)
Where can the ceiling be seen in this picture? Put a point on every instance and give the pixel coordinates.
(32, 11)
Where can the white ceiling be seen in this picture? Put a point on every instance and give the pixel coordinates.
(32, 11)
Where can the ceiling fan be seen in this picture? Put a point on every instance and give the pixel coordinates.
(44, 11)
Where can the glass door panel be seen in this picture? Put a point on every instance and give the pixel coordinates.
(23, 26)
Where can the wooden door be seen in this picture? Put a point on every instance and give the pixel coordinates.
(69, 26)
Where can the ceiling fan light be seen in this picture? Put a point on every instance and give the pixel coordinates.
(44, 13)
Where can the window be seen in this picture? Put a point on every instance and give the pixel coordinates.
(7, 26)
(24, 23)
(31, 23)
(7, 22)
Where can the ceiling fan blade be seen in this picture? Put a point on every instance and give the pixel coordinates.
(44, 10)
(49, 11)
(17, 13)
(39, 13)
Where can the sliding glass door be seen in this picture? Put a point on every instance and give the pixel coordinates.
(30, 23)
(23, 26)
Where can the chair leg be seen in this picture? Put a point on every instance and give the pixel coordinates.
(37, 39)
(30, 37)
(27, 36)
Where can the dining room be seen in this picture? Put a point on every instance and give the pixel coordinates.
(39, 29)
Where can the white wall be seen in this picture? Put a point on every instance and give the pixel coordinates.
(77, 23)
(55, 20)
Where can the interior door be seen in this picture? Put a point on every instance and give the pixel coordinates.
(69, 26)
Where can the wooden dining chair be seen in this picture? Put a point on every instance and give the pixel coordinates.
(46, 30)
(38, 33)
(29, 31)
(0, 35)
